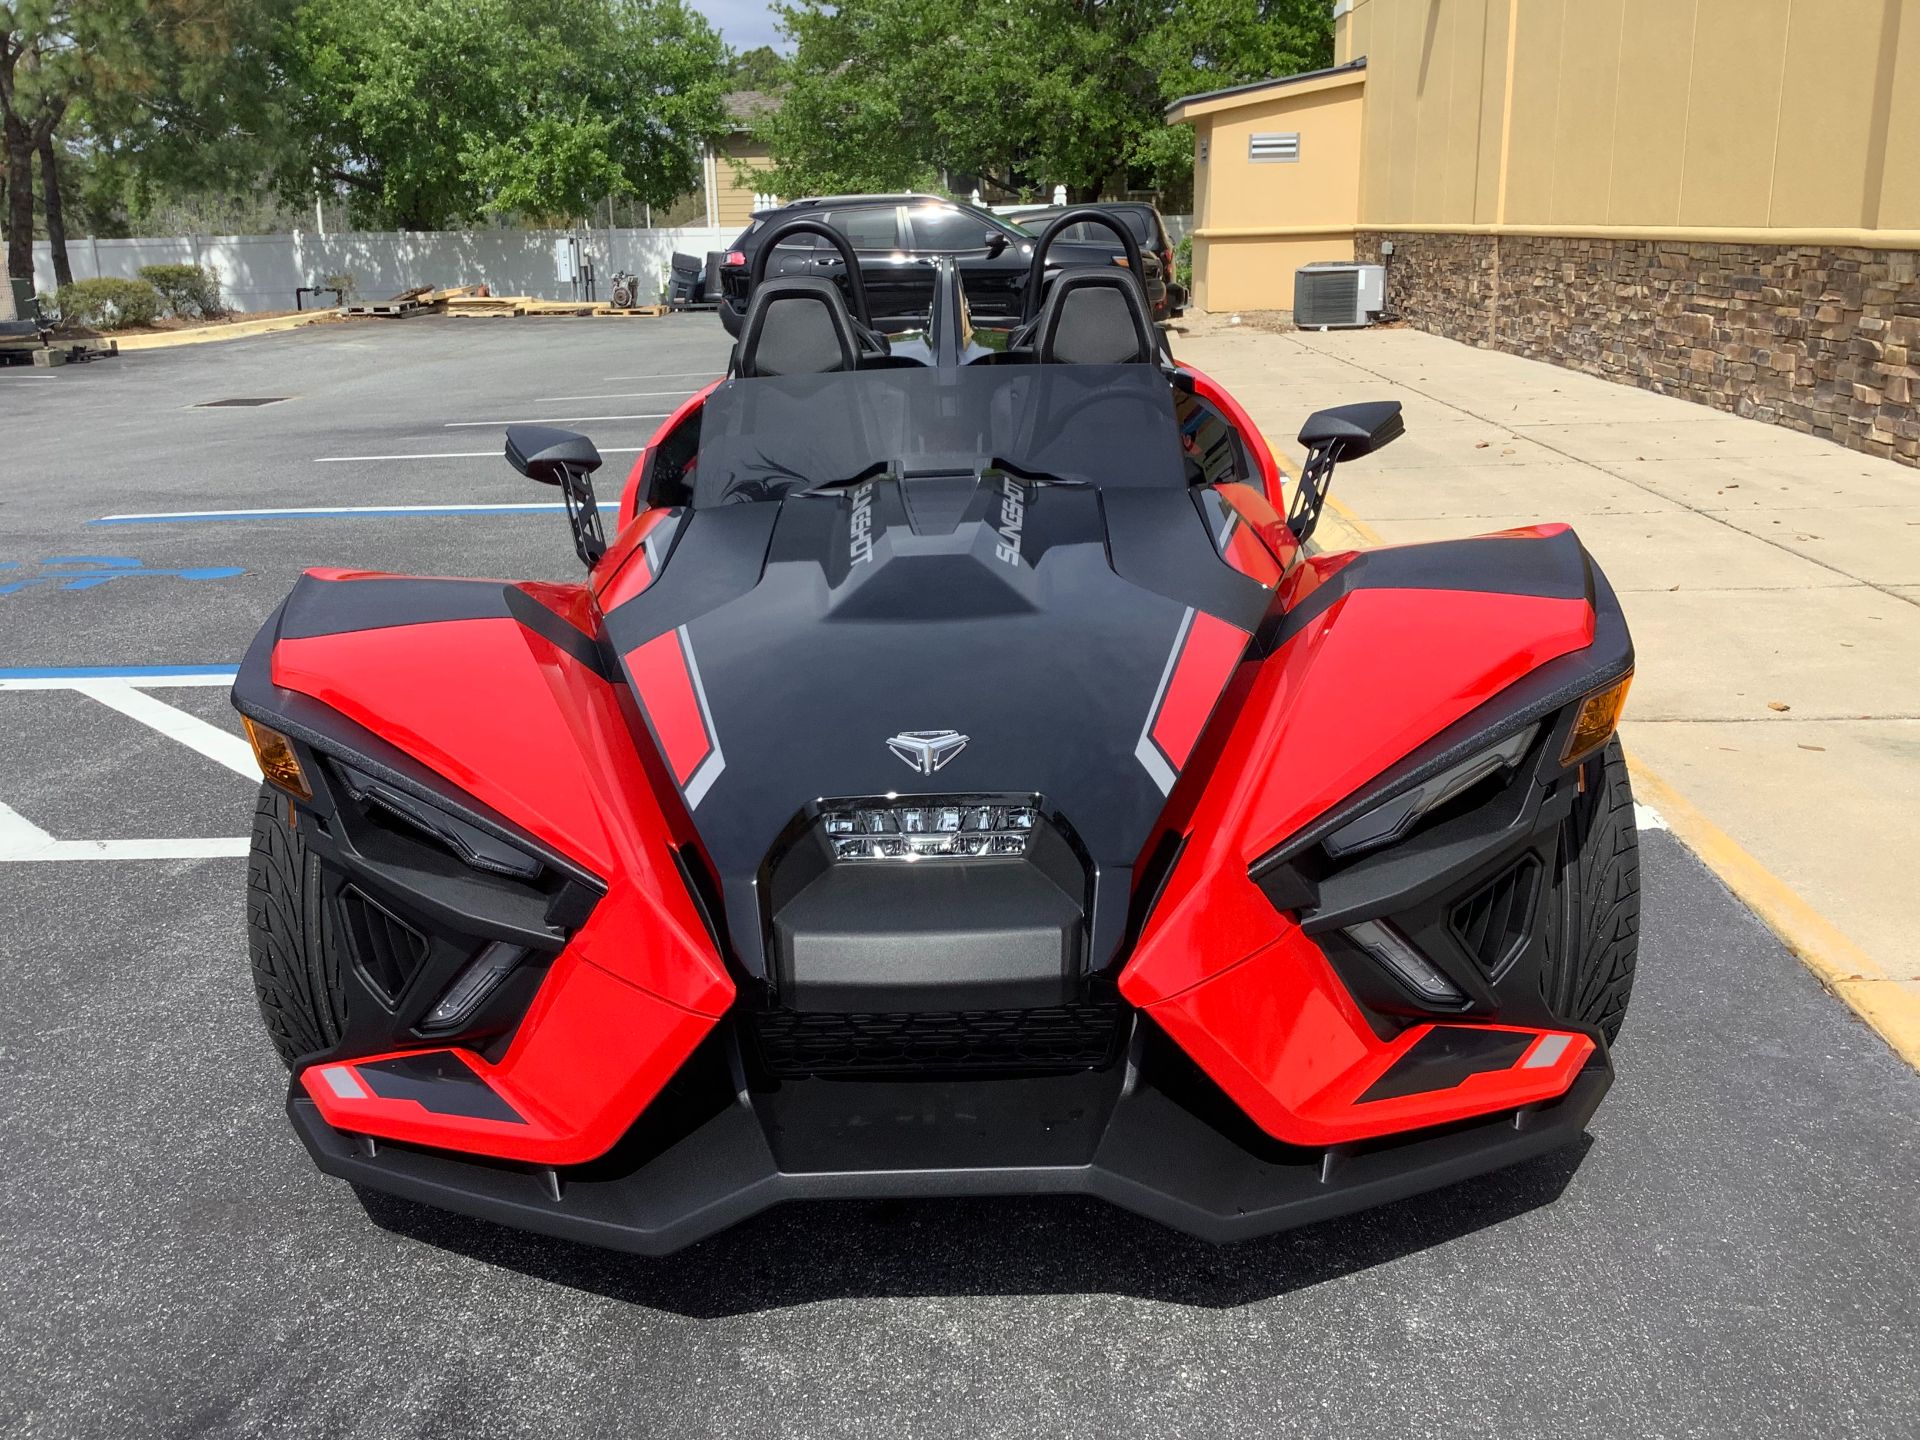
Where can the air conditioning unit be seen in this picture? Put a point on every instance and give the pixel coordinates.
(1336, 292)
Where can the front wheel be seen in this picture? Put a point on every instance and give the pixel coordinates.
(291, 937)
(1595, 940)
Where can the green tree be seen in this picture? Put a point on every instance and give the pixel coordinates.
(757, 69)
(1022, 93)
(126, 73)
(434, 113)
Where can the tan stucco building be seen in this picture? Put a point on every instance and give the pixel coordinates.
(1712, 198)
(1276, 183)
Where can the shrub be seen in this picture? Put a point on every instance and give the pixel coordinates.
(1183, 262)
(189, 290)
(108, 304)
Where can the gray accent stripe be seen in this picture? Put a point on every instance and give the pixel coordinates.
(340, 1080)
(1145, 751)
(1546, 1052)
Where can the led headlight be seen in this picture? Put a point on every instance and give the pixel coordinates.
(1391, 819)
(908, 831)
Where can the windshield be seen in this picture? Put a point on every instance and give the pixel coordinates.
(1106, 425)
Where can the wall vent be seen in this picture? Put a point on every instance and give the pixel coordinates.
(1274, 146)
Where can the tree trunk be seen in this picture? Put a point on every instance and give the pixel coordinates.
(56, 216)
(19, 199)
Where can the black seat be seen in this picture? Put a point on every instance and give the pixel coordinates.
(797, 325)
(1094, 315)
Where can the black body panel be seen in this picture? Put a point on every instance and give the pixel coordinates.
(1146, 1132)
(1037, 620)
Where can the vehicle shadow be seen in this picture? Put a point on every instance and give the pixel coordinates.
(823, 1250)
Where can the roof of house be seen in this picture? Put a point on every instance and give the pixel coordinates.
(1357, 64)
(743, 107)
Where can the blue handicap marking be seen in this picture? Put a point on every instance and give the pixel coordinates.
(107, 567)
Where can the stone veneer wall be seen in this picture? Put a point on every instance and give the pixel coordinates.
(1819, 339)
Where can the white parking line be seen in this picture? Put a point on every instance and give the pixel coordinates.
(121, 690)
(191, 731)
(21, 839)
(609, 395)
(669, 375)
(450, 455)
(550, 420)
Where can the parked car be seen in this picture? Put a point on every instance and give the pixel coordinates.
(894, 236)
(1149, 227)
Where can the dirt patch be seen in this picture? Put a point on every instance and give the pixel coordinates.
(172, 325)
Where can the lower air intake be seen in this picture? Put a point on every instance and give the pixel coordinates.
(1061, 1037)
(1492, 923)
(386, 949)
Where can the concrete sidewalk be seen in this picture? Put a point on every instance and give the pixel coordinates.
(1772, 582)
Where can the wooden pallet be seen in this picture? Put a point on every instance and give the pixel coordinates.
(638, 312)
(395, 309)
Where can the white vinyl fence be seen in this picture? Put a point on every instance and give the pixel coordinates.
(261, 272)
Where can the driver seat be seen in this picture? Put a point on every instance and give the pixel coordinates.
(796, 325)
(1094, 315)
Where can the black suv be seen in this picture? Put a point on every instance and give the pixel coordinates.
(893, 234)
(1146, 223)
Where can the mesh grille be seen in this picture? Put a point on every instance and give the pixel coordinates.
(1492, 922)
(1326, 297)
(1071, 1037)
(387, 950)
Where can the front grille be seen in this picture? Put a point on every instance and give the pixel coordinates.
(1061, 1037)
(386, 949)
(1492, 923)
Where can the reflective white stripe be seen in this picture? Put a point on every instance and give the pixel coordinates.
(1546, 1052)
(340, 1080)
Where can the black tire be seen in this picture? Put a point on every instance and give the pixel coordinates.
(1596, 939)
(290, 935)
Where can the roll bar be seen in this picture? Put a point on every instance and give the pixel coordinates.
(794, 224)
(1037, 271)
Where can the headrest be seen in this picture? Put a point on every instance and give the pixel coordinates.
(796, 325)
(1094, 315)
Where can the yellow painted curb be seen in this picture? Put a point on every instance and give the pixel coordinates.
(201, 334)
(1891, 1008)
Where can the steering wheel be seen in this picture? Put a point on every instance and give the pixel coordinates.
(798, 224)
(1037, 271)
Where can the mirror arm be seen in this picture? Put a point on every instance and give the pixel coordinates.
(1310, 494)
(583, 514)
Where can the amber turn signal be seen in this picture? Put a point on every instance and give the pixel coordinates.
(277, 760)
(1594, 725)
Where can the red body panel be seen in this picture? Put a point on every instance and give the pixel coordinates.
(1236, 983)
(545, 743)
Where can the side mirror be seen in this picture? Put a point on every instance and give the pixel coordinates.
(996, 242)
(560, 457)
(546, 454)
(1351, 431)
(1345, 432)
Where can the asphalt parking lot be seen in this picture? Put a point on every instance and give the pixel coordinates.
(1736, 1250)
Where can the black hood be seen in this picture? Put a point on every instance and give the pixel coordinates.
(1037, 620)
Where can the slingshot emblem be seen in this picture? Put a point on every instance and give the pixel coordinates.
(927, 750)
